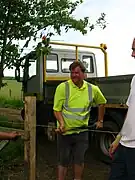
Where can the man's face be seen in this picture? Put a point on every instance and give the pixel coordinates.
(77, 75)
(133, 48)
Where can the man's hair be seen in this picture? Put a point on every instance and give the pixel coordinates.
(77, 64)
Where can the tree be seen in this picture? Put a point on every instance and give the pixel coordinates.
(22, 19)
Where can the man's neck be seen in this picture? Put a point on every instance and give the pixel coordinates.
(79, 85)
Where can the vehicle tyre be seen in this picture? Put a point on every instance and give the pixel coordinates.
(104, 140)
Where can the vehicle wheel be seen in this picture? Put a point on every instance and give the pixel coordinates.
(104, 140)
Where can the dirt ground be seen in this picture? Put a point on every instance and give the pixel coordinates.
(47, 161)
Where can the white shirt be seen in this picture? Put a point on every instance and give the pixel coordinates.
(128, 129)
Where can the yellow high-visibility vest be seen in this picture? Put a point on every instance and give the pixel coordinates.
(75, 103)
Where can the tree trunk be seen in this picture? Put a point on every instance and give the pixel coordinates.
(5, 36)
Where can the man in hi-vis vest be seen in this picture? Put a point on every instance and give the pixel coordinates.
(72, 103)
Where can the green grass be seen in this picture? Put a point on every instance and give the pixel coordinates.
(11, 95)
(12, 90)
(10, 103)
(13, 153)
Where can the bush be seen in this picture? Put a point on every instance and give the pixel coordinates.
(10, 103)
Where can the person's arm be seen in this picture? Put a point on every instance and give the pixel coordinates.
(118, 137)
(120, 133)
(100, 100)
(101, 112)
(8, 135)
(129, 101)
(115, 143)
(58, 105)
(59, 117)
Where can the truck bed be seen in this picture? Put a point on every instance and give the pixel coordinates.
(115, 88)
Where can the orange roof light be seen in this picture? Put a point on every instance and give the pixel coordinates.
(104, 46)
(43, 38)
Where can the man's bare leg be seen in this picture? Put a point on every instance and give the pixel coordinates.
(78, 171)
(62, 171)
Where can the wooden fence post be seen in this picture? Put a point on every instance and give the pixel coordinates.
(30, 138)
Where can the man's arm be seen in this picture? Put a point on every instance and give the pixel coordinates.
(59, 117)
(115, 143)
(58, 105)
(101, 112)
(100, 100)
(118, 137)
(8, 136)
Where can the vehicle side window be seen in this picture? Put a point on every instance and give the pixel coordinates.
(88, 63)
(65, 63)
(32, 67)
(52, 63)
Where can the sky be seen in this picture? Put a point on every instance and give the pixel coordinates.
(118, 35)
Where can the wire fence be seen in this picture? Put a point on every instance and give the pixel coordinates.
(40, 155)
(87, 128)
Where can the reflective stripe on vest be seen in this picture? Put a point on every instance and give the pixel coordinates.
(74, 110)
(76, 117)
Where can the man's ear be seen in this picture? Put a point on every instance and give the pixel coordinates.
(133, 44)
(85, 75)
(133, 48)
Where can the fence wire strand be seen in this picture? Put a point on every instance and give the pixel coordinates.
(87, 128)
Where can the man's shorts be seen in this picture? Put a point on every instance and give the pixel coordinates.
(72, 148)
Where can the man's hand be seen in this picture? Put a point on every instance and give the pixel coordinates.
(60, 119)
(113, 148)
(114, 145)
(14, 135)
(62, 128)
(99, 124)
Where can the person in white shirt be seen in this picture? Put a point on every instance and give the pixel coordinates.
(123, 147)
